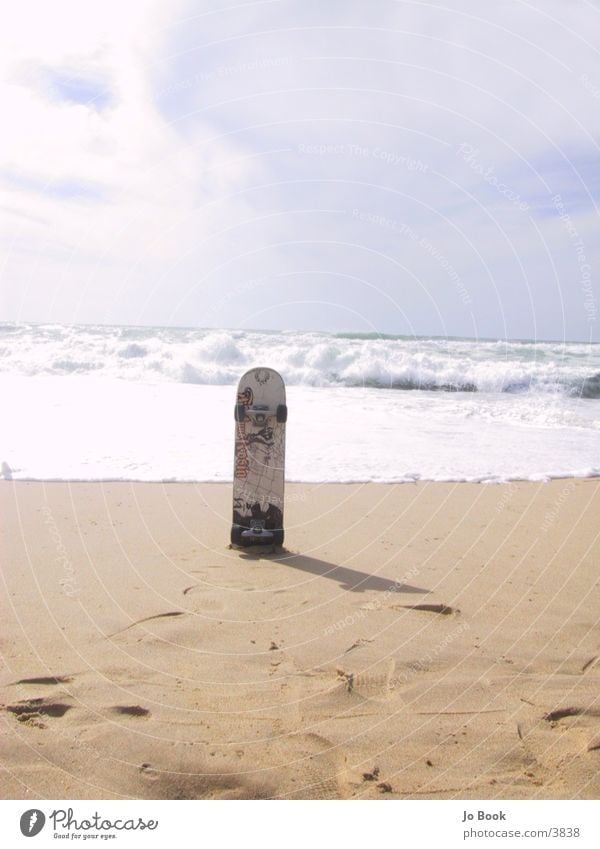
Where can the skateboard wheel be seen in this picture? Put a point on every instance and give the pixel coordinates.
(282, 413)
(236, 534)
(278, 537)
(239, 412)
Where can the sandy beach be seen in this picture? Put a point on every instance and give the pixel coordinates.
(421, 640)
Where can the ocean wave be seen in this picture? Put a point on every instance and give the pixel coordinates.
(590, 387)
(133, 350)
(187, 355)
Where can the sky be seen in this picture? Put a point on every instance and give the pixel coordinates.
(398, 167)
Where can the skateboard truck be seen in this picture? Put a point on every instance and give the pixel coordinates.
(257, 533)
(259, 414)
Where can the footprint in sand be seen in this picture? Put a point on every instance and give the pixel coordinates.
(442, 609)
(45, 679)
(376, 685)
(323, 769)
(147, 773)
(204, 602)
(561, 713)
(30, 710)
(362, 641)
(130, 710)
(577, 731)
(40, 705)
(189, 781)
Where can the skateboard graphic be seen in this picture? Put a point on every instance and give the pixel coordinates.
(259, 459)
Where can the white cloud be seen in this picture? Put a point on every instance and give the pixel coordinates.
(98, 193)
(204, 167)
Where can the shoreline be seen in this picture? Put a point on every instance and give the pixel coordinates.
(443, 632)
(594, 476)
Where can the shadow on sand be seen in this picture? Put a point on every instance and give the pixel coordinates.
(349, 579)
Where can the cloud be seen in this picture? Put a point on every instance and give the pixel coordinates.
(163, 159)
(101, 189)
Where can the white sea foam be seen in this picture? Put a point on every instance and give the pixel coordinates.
(310, 359)
(95, 403)
(90, 428)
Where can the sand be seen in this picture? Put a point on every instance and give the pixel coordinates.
(413, 641)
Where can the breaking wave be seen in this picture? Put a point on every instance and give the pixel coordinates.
(184, 355)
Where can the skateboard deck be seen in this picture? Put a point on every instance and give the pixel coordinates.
(259, 459)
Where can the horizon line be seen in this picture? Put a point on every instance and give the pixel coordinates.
(357, 333)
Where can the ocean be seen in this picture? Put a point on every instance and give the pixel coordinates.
(156, 404)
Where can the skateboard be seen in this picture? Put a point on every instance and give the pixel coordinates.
(259, 459)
